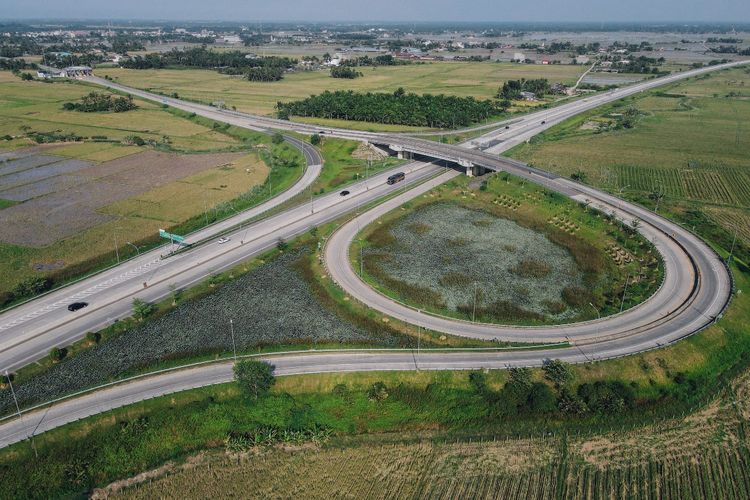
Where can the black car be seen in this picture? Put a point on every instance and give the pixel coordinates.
(77, 305)
(396, 178)
(344, 192)
(544, 121)
(507, 127)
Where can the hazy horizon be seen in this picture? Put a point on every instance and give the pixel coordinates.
(358, 11)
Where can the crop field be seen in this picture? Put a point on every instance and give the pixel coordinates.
(480, 80)
(702, 454)
(270, 305)
(502, 251)
(689, 144)
(64, 206)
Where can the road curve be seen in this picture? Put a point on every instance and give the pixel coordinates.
(696, 288)
(685, 255)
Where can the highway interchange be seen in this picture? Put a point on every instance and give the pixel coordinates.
(696, 289)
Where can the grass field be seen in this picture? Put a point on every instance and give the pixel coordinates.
(690, 145)
(480, 80)
(543, 259)
(183, 204)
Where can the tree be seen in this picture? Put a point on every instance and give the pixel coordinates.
(277, 138)
(27, 77)
(315, 139)
(254, 378)
(142, 309)
(541, 399)
(558, 372)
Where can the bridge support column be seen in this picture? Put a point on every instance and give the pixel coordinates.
(469, 166)
(404, 155)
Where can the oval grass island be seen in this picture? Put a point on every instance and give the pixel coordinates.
(503, 251)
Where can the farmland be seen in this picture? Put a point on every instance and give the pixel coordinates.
(480, 80)
(66, 206)
(500, 250)
(688, 148)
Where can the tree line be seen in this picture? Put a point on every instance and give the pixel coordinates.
(96, 102)
(345, 72)
(426, 110)
(512, 88)
(233, 62)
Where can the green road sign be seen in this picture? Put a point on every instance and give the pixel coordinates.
(170, 236)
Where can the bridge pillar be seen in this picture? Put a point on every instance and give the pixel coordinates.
(469, 166)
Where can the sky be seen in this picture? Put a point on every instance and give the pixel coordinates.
(382, 10)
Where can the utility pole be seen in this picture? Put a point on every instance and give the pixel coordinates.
(625, 289)
(137, 250)
(361, 258)
(117, 250)
(234, 346)
(312, 208)
(731, 251)
(419, 335)
(474, 311)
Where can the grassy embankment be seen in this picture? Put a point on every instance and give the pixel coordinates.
(182, 206)
(605, 254)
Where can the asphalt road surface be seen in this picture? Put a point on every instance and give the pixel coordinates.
(44, 322)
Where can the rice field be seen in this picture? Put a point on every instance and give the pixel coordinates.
(690, 144)
(480, 80)
(702, 455)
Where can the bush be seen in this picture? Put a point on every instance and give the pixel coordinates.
(57, 354)
(315, 139)
(93, 337)
(254, 378)
(558, 372)
(277, 138)
(31, 287)
(142, 309)
(377, 392)
(541, 399)
(608, 397)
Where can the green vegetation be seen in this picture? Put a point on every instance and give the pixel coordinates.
(346, 161)
(506, 251)
(95, 102)
(449, 78)
(254, 378)
(681, 150)
(399, 107)
(512, 88)
(345, 72)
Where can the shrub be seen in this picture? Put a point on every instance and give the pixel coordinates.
(377, 392)
(93, 337)
(541, 399)
(530, 268)
(277, 138)
(31, 287)
(315, 139)
(142, 309)
(254, 378)
(558, 372)
(608, 397)
(57, 354)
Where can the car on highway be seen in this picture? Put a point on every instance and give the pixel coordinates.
(75, 306)
(393, 179)
(544, 121)
(507, 127)
(344, 192)
(223, 240)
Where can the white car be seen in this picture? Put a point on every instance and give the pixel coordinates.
(223, 240)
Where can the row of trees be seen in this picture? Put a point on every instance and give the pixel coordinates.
(522, 395)
(399, 107)
(512, 88)
(345, 72)
(201, 57)
(96, 102)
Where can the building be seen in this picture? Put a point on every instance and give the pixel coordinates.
(582, 59)
(528, 96)
(519, 57)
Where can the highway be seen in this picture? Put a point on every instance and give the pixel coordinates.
(697, 286)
